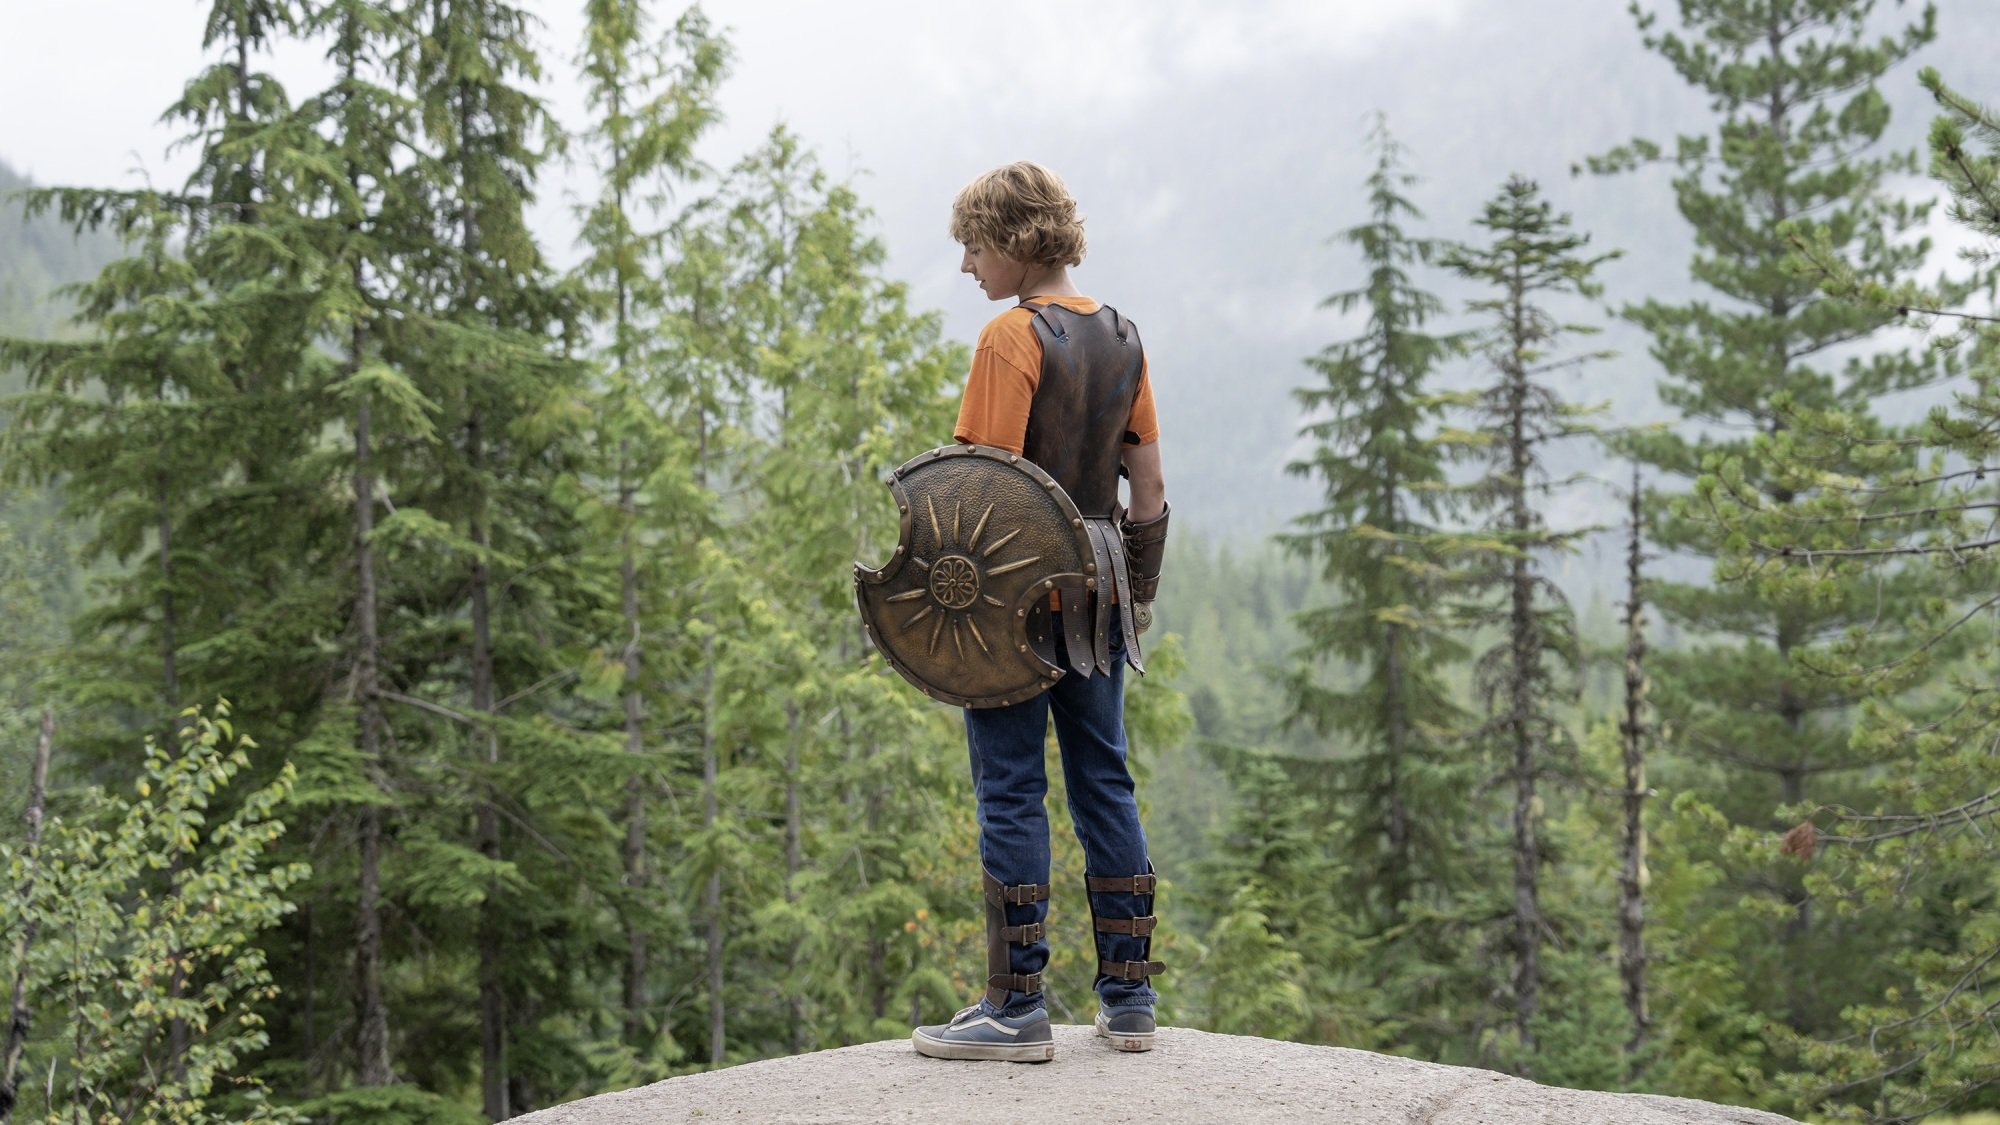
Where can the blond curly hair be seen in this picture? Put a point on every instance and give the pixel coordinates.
(1021, 211)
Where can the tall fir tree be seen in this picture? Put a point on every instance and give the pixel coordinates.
(1372, 667)
(1370, 418)
(653, 99)
(1532, 261)
(1914, 1046)
(1799, 117)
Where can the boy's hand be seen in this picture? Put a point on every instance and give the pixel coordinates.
(1142, 617)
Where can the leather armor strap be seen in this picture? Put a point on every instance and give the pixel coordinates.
(1018, 894)
(1134, 927)
(1100, 533)
(1018, 982)
(1121, 578)
(1130, 970)
(1053, 324)
(1022, 935)
(1122, 884)
(1073, 613)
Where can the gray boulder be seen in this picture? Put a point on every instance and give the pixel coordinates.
(1190, 1076)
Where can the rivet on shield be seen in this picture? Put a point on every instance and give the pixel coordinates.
(1053, 673)
(899, 548)
(1076, 522)
(1049, 484)
(1020, 613)
(1048, 584)
(1090, 568)
(1090, 583)
(1013, 459)
(1023, 648)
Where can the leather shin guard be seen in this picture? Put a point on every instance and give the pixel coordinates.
(1139, 925)
(1001, 978)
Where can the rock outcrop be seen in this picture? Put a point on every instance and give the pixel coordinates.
(1189, 1076)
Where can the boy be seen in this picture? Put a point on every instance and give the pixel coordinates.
(1061, 380)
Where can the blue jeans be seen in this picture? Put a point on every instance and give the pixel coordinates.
(1006, 745)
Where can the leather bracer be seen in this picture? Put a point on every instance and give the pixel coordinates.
(1145, 550)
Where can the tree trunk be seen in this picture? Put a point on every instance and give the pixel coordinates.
(794, 1003)
(372, 1014)
(18, 1014)
(1398, 880)
(492, 998)
(635, 789)
(1632, 843)
(1527, 642)
(711, 897)
(1400, 877)
(309, 999)
(177, 1027)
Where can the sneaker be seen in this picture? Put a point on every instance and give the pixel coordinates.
(1129, 1026)
(979, 1032)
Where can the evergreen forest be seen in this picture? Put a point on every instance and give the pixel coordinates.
(432, 691)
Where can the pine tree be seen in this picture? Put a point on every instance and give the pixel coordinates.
(1793, 84)
(1533, 259)
(1915, 1046)
(498, 363)
(1281, 960)
(654, 101)
(1635, 731)
(1382, 478)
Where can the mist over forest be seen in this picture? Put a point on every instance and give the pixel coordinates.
(433, 691)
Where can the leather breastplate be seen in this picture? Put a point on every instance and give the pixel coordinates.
(1076, 424)
(1091, 365)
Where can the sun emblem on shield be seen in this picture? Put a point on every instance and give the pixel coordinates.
(957, 581)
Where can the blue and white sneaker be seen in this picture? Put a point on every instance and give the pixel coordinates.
(1130, 1027)
(979, 1032)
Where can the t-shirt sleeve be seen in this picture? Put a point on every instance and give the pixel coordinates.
(1144, 423)
(1006, 366)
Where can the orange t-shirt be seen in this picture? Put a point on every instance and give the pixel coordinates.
(1006, 368)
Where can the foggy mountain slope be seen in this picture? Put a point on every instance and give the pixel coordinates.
(36, 257)
(1235, 248)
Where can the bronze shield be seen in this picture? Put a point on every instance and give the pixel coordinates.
(986, 535)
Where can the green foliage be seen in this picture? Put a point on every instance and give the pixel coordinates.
(1530, 674)
(149, 910)
(1754, 726)
(1910, 509)
(543, 582)
(1369, 417)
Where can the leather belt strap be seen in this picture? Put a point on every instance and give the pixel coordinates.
(1129, 970)
(1016, 982)
(1135, 927)
(1076, 628)
(1022, 935)
(1122, 576)
(1098, 531)
(1122, 884)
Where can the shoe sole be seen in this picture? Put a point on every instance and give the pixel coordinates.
(1124, 1040)
(930, 1046)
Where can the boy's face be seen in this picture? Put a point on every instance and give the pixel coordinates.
(1001, 278)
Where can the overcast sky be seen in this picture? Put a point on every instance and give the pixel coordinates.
(1213, 147)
